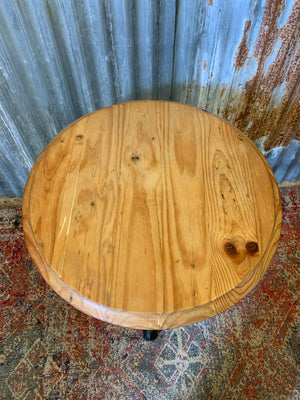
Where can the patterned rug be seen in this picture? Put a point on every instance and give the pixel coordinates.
(49, 350)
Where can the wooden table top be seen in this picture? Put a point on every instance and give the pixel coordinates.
(151, 214)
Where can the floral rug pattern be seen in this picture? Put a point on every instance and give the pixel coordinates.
(49, 350)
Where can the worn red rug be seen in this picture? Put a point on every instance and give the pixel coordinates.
(49, 350)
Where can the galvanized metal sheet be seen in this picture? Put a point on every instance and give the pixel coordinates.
(240, 60)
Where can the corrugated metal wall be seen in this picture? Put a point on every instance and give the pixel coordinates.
(60, 59)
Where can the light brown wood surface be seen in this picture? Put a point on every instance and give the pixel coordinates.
(151, 214)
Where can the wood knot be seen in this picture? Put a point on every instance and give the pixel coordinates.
(230, 249)
(135, 159)
(78, 139)
(252, 247)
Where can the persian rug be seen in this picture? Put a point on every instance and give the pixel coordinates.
(49, 350)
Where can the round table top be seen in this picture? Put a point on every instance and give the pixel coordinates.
(151, 214)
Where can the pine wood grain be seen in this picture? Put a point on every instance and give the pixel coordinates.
(151, 214)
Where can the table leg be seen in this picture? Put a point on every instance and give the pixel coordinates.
(150, 335)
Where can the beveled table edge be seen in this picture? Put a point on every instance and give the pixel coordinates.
(147, 320)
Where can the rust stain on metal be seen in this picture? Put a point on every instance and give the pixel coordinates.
(222, 92)
(189, 89)
(258, 114)
(211, 3)
(242, 52)
(204, 65)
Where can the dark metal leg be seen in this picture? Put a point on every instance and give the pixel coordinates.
(150, 335)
